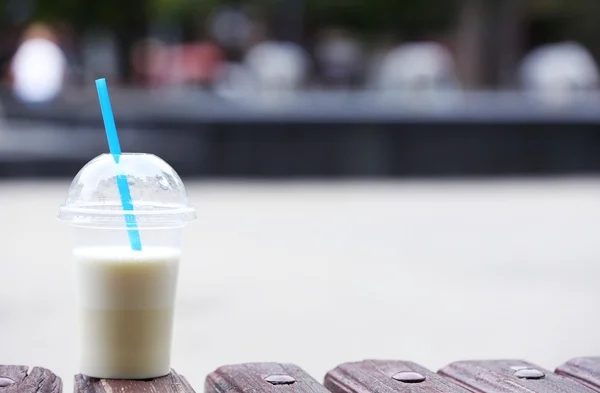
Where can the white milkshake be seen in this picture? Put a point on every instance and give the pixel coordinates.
(126, 301)
(126, 251)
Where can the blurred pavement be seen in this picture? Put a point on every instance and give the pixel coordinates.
(322, 273)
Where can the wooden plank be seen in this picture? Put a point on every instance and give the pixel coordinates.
(509, 376)
(261, 378)
(383, 376)
(584, 370)
(172, 383)
(17, 379)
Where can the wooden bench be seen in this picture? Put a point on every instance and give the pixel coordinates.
(579, 375)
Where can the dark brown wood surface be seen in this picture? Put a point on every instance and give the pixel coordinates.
(17, 379)
(500, 376)
(252, 377)
(172, 383)
(382, 376)
(584, 370)
(579, 375)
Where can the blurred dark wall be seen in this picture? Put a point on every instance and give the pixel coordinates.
(325, 149)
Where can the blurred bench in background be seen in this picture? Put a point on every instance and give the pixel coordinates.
(308, 135)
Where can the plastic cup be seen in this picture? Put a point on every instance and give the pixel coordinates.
(126, 297)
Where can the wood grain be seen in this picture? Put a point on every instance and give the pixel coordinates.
(584, 370)
(16, 379)
(371, 376)
(498, 376)
(172, 383)
(251, 377)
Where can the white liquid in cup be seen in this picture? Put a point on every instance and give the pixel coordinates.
(126, 301)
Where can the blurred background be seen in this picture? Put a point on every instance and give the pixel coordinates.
(412, 179)
(303, 88)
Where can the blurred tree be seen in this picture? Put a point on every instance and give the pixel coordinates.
(180, 9)
(411, 19)
(564, 20)
(544, 20)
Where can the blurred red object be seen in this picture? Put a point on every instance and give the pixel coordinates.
(158, 64)
(195, 63)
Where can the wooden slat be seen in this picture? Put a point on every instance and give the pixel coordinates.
(16, 379)
(253, 377)
(381, 376)
(584, 370)
(500, 376)
(172, 383)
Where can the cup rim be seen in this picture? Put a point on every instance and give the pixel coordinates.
(163, 216)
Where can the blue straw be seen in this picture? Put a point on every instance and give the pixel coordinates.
(115, 150)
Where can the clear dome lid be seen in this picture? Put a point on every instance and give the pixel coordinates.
(157, 193)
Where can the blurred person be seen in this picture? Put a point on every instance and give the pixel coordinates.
(339, 57)
(195, 63)
(279, 67)
(417, 67)
(231, 28)
(156, 64)
(39, 65)
(149, 61)
(236, 28)
(559, 74)
(420, 75)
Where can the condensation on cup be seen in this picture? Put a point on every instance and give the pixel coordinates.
(126, 297)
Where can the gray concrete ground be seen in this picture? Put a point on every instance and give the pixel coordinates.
(322, 273)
